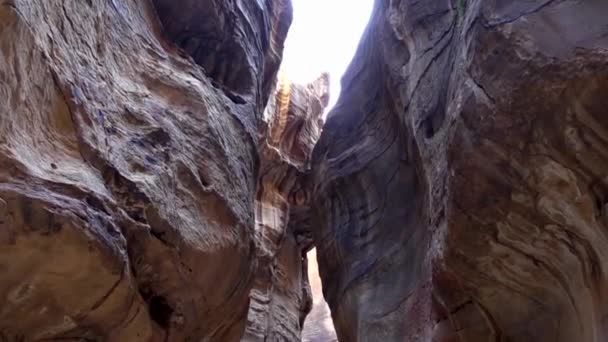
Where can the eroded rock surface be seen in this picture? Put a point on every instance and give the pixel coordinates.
(461, 182)
(128, 173)
(459, 190)
(281, 296)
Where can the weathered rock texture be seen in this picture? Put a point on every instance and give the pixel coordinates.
(281, 297)
(459, 191)
(128, 172)
(461, 182)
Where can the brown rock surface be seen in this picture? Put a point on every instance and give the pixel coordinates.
(281, 297)
(128, 173)
(461, 182)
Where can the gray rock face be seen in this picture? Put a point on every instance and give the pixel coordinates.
(460, 183)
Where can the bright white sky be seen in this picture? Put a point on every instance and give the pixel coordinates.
(323, 37)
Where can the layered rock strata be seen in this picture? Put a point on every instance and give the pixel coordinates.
(459, 190)
(318, 326)
(128, 166)
(281, 297)
(461, 182)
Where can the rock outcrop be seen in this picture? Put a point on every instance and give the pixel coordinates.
(460, 185)
(281, 296)
(128, 166)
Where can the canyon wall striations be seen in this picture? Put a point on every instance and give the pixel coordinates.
(129, 161)
(461, 181)
(281, 296)
(161, 180)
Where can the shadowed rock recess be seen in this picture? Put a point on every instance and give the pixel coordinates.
(158, 181)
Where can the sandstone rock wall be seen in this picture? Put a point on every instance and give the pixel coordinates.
(460, 183)
(281, 297)
(128, 173)
(459, 189)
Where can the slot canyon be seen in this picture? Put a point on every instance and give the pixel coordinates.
(162, 178)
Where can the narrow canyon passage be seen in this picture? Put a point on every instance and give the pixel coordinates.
(323, 38)
(165, 174)
(318, 325)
